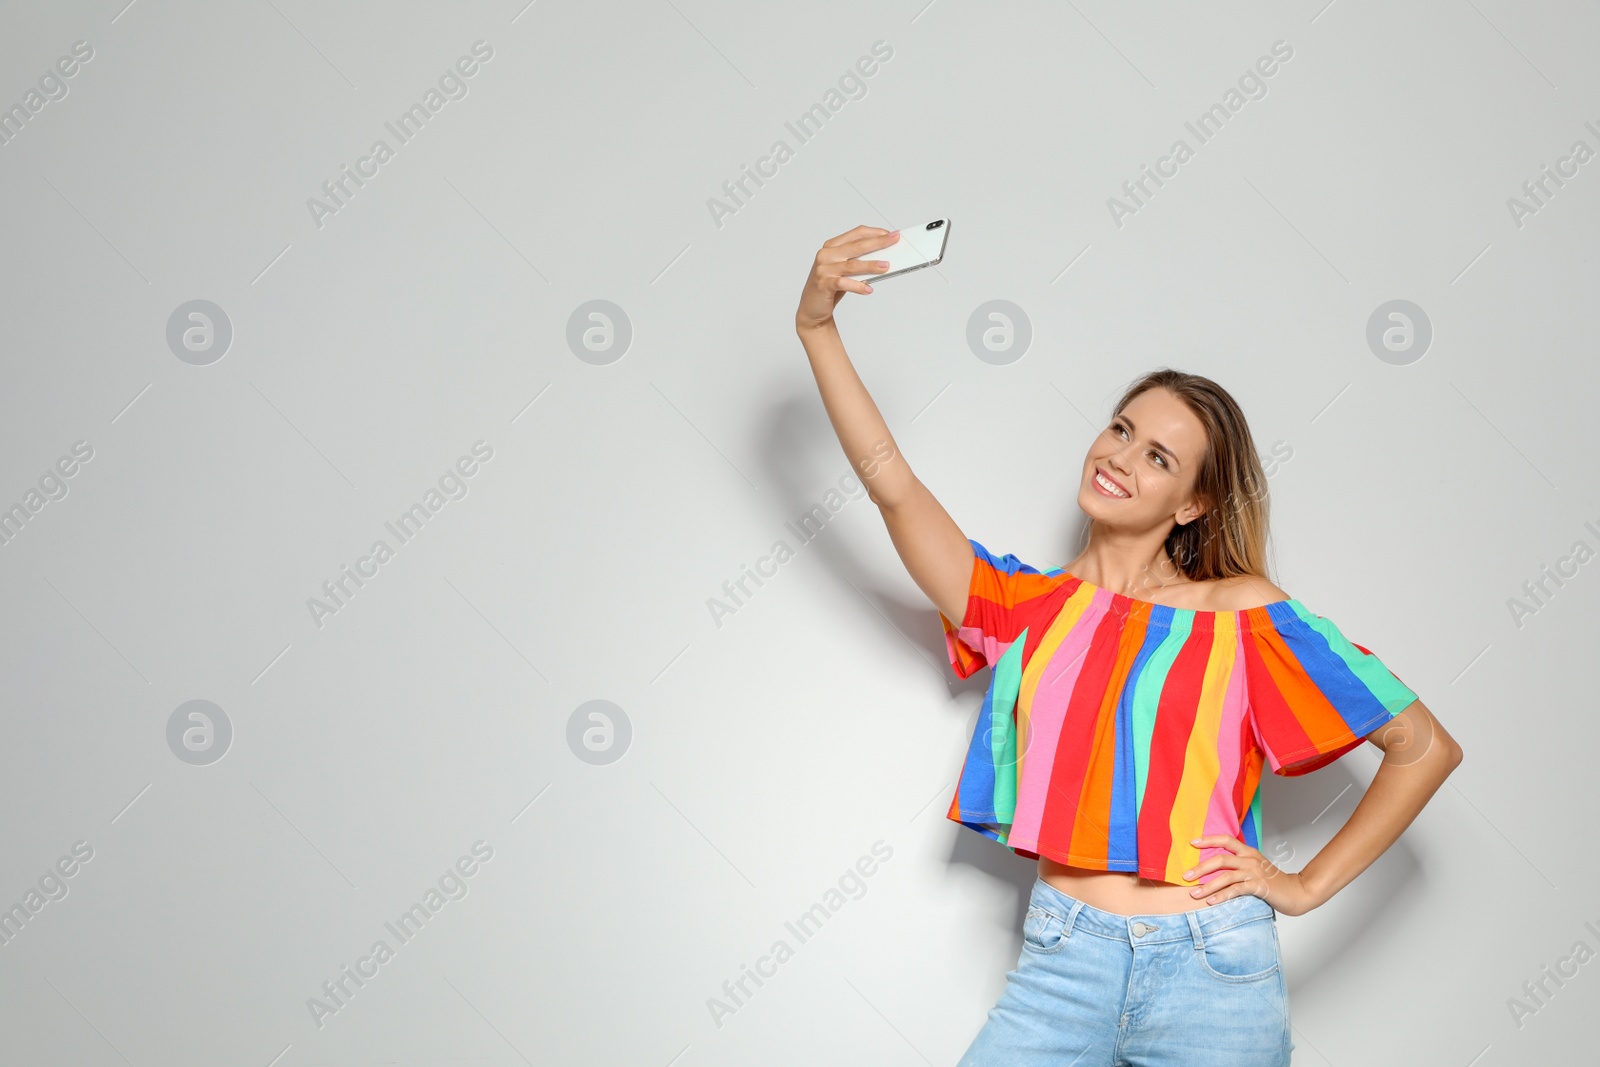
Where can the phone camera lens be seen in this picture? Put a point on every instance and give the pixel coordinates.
(934, 225)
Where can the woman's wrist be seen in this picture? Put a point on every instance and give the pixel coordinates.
(811, 329)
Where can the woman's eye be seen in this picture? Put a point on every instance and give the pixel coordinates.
(1160, 457)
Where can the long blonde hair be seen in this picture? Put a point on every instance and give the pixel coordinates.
(1230, 538)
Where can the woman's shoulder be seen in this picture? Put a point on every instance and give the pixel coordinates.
(1236, 594)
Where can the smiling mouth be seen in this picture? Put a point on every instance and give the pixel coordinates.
(1109, 487)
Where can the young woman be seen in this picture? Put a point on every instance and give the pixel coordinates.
(1135, 696)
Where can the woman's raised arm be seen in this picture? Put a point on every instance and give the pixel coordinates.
(934, 550)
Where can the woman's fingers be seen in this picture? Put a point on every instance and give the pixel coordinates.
(834, 273)
(827, 283)
(852, 285)
(858, 247)
(851, 235)
(857, 266)
(1205, 889)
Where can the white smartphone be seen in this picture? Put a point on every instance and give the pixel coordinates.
(920, 247)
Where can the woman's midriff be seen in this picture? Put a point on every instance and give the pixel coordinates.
(1119, 892)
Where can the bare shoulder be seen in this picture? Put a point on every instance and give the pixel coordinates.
(1245, 591)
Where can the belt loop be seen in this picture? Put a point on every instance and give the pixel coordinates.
(1072, 916)
(1194, 930)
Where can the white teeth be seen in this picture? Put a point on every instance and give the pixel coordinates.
(1110, 488)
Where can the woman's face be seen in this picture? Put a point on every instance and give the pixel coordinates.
(1151, 450)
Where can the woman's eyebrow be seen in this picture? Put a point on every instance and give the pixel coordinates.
(1153, 444)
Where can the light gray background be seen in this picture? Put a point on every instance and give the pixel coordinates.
(769, 753)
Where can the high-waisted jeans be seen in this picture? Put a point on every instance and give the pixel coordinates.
(1200, 988)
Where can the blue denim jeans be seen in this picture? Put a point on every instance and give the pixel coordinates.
(1200, 988)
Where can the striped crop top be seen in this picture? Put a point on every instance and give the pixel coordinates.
(1115, 730)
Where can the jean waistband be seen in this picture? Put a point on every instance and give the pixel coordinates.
(1193, 925)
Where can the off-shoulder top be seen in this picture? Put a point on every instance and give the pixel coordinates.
(1115, 730)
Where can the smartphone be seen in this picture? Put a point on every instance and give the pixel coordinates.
(916, 248)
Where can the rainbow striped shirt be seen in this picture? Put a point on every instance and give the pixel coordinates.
(1114, 730)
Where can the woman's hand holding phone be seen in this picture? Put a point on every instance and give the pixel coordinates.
(840, 256)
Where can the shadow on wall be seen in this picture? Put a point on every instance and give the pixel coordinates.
(1368, 911)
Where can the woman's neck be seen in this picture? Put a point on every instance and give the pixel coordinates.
(1129, 566)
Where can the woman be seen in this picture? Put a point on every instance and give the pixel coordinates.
(1135, 697)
